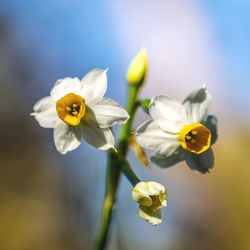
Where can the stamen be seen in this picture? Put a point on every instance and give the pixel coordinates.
(188, 137)
(73, 109)
(194, 132)
(156, 203)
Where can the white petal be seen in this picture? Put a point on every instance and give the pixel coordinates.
(65, 86)
(211, 124)
(165, 161)
(202, 162)
(155, 188)
(140, 194)
(106, 112)
(197, 104)
(67, 138)
(102, 139)
(147, 189)
(163, 199)
(94, 85)
(149, 135)
(153, 217)
(45, 112)
(169, 114)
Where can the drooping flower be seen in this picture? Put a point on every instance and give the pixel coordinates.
(180, 131)
(76, 109)
(151, 197)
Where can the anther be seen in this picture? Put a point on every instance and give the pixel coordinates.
(193, 140)
(188, 137)
(74, 105)
(194, 132)
(74, 112)
(68, 108)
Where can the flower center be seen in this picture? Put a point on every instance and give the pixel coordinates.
(156, 203)
(195, 138)
(71, 108)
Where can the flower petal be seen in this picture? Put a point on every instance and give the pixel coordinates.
(165, 161)
(67, 138)
(106, 112)
(155, 188)
(151, 216)
(102, 139)
(168, 113)
(45, 112)
(197, 104)
(94, 84)
(163, 199)
(140, 194)
(149, 135)
(202, 162)
(211, 124)
(65, 86)
(143, 190)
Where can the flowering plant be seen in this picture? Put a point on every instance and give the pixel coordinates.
(77, 110)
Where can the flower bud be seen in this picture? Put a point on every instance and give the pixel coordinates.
(138, 68)
(151, 197)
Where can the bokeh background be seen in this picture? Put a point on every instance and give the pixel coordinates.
(50, 201)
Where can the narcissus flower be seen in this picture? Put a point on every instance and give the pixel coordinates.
(180, 131)
(76, 109)
(151, 197)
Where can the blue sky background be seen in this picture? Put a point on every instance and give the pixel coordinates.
(231, 20)
(71, 37)
(74, 35)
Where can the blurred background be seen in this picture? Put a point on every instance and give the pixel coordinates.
(50, 201)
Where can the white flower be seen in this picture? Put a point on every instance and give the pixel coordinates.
(180, 131)
(76, 109)
(152, 197)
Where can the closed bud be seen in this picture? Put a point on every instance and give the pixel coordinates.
(138, 68)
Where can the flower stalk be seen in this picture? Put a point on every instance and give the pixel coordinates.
(107, 207)
(128, 172)
(116, 163)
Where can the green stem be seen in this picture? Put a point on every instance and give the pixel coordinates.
(101, 238)
(126, 129)
(128, 172)
(114, 171)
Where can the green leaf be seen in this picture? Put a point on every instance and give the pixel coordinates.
(144, 104)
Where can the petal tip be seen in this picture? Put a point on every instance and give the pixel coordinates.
(204, 85)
